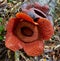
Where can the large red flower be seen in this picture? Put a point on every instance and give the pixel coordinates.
(24, 33)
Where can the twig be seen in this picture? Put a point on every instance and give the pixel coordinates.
(2, 3)
(16, 7)
(26, 59)
(17, 56)
(23, 56)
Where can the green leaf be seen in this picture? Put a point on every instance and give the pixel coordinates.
(0, 19)
(1, 37)
(10, 0)
(1, 28)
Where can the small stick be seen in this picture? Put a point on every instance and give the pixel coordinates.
(17, 55)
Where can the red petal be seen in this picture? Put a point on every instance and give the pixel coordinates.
(45, 8)
(24, 16)
(45, 28)
(12, 42)
(35, 48)
(10, 24)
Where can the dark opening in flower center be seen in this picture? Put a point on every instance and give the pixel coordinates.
(39, 13)
(26, 31)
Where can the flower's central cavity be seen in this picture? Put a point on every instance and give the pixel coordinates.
(26, 31)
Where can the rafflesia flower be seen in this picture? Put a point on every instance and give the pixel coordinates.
(24, 32)
(29, 29)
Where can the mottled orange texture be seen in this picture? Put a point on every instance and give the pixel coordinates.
(24, 16)
(45, 28)
(32, 38)
(34, 49)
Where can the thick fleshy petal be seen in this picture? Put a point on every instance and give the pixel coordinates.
(24, 16)
(35, 48)
(12, 42)
(11, 24)
(44, 8)
(45, 28)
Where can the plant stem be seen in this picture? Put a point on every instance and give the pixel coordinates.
(17, 56)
